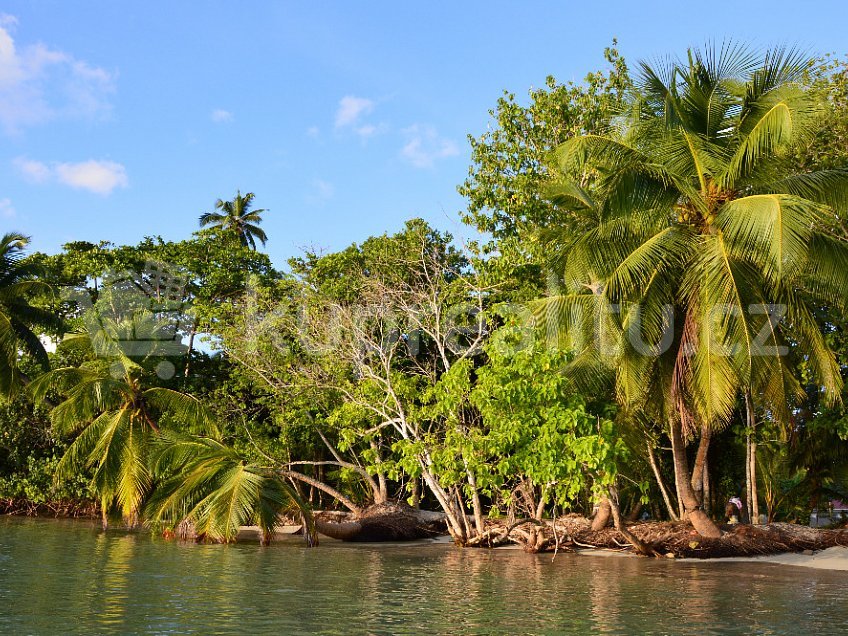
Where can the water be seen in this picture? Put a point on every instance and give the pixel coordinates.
(71, 578)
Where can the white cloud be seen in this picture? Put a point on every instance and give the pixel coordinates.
(322, 191)
(100, 177)
(313, 131)
(32, 171)
(368, 130)
(424, 146)
(6, 209)
(40, 84)
(351, 109)
(221, 116)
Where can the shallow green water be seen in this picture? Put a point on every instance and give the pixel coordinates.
(70, 578)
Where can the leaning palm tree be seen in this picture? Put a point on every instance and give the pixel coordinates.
(18, 316)
(700, 251)
(237, 217)
(114, 416)
(203, 482)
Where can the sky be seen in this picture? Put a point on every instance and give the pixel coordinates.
(122, 120)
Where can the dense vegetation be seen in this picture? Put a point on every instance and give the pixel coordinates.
(572, 361)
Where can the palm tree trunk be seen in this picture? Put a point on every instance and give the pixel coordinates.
(755, 503)
(661, 483)
(751, 457)
(692, 507)
(678, 477)
(701, 464)
(750, 475)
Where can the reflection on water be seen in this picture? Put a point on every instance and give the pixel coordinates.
(70, 578)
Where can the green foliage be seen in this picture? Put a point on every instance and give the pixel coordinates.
(18, 315)
(236, 218)
(695, 205)
(399, 361)
(210, 485)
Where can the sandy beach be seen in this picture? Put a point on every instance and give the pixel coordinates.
(835, 558)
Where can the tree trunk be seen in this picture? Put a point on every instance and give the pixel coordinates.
(751, 470)
(633, 515)
(678, 477)
(314, 483)
(455, 526)
(701, 465)
(700, 521)
(382, 494)
(661, 483)
(612, 502)
(191, 336)
(416, 493)
(708, 492)
(749, 477)
(755, 504)
(479, 524)
(602, 517)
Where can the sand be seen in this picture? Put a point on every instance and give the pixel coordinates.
(835, 558)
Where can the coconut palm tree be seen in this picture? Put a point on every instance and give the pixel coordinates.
(18, 317)
(237, 217)
(209, 485)
(115, 416)
(700, 250)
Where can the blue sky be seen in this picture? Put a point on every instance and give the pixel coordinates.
(345, 118)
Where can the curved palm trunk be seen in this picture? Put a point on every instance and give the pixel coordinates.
(692, 507)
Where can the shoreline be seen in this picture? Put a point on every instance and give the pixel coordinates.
(832, 558)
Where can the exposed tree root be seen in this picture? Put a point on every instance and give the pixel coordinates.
(678, 539)
(70, 509)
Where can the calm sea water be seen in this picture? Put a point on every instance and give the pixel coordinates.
(63, 577)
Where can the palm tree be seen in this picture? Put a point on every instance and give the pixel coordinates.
(18, 316)
(115, 418)
(236, 216)
(209, 485)
(694, 226)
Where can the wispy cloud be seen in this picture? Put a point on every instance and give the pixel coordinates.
(424, 146)
(32, 171)
(221, 116)
(351, 109)
(99, 177)
(7, 211)
(322, 191)
(40, 84)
